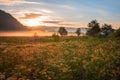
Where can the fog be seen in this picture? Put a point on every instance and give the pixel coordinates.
(71, 32)
(25, 33)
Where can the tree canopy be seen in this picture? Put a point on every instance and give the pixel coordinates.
(94, 28)
(62, 31)
(106, 29)
(78, 31)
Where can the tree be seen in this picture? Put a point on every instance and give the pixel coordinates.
(106, 29)
(62, 31)
(78, 31)
(94, 28)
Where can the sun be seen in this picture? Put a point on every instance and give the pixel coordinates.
(33, 22)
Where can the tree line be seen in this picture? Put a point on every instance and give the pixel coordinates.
(63, 32)
(94, 30)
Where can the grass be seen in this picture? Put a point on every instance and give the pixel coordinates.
(66, 58)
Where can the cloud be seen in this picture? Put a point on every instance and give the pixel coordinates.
(29, 2)
(52, 22)
(62, 23)
(67, 7)
(13, 2)
(68, 24)
(30, 16)
(46, 11)
(8, 2)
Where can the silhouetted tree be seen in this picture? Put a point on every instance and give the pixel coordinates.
(78, 32)
(94, 28)
(106, 29)
(62, 31)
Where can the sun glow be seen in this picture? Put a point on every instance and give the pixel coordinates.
(33, 22)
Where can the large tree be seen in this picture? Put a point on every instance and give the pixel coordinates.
(78, 31)
(106, 29)
(62, 31)
(94, 28)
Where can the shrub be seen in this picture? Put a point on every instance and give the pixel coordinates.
(55, 37)
(116, 34)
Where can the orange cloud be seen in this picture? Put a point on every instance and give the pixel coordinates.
(12, 2)
(9, 2)
(67, 24)
(63, 23)
(30, 16)
(52, 22)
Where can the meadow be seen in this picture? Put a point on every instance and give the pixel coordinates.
(59, 58)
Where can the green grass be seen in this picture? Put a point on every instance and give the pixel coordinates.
(66, 58)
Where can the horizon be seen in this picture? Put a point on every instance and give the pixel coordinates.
(44, 31)
(67, 13)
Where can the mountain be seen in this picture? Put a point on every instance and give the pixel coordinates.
(9, 23)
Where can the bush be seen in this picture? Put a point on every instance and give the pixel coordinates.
(55, 37)
(116, 34)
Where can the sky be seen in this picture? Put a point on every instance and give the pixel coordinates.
(67, 13)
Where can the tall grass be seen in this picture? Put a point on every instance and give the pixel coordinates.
(69, 58)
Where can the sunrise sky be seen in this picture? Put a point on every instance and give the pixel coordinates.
(68, 13)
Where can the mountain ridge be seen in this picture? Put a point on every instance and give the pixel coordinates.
(9, 23)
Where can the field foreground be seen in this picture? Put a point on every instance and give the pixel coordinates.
(67, 58)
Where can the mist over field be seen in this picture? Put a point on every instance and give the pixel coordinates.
(25, 33)
(29, 33)
(42, 31)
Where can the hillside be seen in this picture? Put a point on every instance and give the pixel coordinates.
(9, 23)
